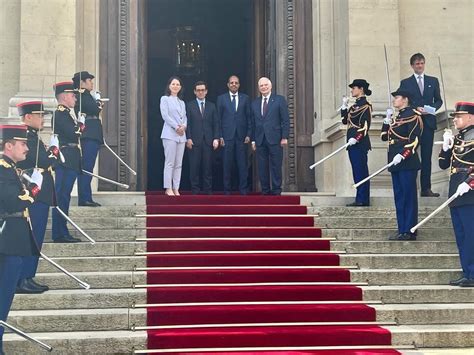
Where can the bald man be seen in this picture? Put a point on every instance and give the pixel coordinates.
(271, 127)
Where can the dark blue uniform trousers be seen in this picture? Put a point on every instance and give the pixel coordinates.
(463, 223)
(426, 150)
(10, 268)
(235, 149)
(360, 170)
(64, 183)
(270, 158)
(39, 212)
(90, 149)
(406, 199)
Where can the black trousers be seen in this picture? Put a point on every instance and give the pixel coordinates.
(270, 159)
(426, 150)
(200, 167)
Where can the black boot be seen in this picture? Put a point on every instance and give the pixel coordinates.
(25, 287)
(36, 284)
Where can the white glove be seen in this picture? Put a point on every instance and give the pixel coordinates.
(463, 188)
(388, 117)
(82, 118)
(448, 140)
(345, 103)
(352, 141)
(397, 159)
(37, 178)
(54, 141)
(96, 95)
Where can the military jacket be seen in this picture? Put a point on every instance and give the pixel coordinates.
(90, 107)
(46, 162)
(68, 131)
(15, 233)
(358, 119)
(403, 136)
(460, 160)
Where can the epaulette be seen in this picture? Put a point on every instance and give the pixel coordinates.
(417, 112)
(5, 164)
(81, 91)
(61, 108)
(25, 196)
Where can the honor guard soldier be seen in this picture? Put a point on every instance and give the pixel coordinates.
(92, 136)
(44, 159)
(358, 118)
(458, 155)
(16, 241)
(68, 129)
(403, 136)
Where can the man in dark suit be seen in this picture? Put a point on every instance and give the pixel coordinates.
(426, 99)
(202, 136)
(233, 109)
(271, 128)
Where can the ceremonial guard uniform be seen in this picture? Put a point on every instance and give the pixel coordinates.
(458, 156)
(16, 240)
(92, 136)
(403, 136)
(358, 118)
(44, 159)
(68, 129)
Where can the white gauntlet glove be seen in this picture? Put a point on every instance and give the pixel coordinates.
(448, 140)
(388, 117)
(397, 159)
(463, 188)
(54, 141)
(37, 178)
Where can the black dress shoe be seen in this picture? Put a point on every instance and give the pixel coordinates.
(429, 193)
(89, 204)
(34, 283)
(357, 204)
(407, 236)
(457, 281)
(25, 288)
(67, 239)
(394, 236)
(466, 283)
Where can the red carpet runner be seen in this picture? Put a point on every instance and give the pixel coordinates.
(250, 275)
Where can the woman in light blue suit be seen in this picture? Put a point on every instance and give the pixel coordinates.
(173, 111)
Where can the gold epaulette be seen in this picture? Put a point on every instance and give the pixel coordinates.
(5, 164)
(61, 108)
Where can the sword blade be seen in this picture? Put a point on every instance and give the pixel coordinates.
(125, 186)
(59, 267)
(388, 77)
(79, 229)
(444, 92)
(435, 212)
(119, 159)
(329, 156)
(383, 168)
(26, 336)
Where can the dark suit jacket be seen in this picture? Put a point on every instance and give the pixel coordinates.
(231, 122)
(202, 128)
(275, 125)
(431, 96)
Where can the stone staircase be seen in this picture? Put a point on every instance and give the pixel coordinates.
(410, 278)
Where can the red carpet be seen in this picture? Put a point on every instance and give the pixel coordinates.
(250, 272)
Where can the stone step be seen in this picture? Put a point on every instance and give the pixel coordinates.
(98, 249)
(77, 299)
(104, 235)
(105, 263)
(75, 320)
(328, 211)
(393, 294)
(96, 279)
(330, 200)
(405, 276)
(390, 247)
(401, 261)
(434, 336)
(424, 234)
(74, 343)
(105, 211)
(119, 198)
(109, 222)
(373, 222)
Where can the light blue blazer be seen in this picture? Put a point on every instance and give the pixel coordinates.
(173, 111)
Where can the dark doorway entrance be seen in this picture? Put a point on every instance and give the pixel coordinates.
(225, 33)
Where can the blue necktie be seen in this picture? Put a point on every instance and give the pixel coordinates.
(234, 102)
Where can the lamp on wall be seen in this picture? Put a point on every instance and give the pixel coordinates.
(189, 52)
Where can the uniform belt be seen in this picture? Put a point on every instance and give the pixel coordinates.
(89, 117)
(70, 145)
(394, 141)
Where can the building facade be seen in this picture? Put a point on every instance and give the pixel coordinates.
(311, 50)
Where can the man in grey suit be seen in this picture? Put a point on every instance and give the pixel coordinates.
(271, 123)
(202, 136)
